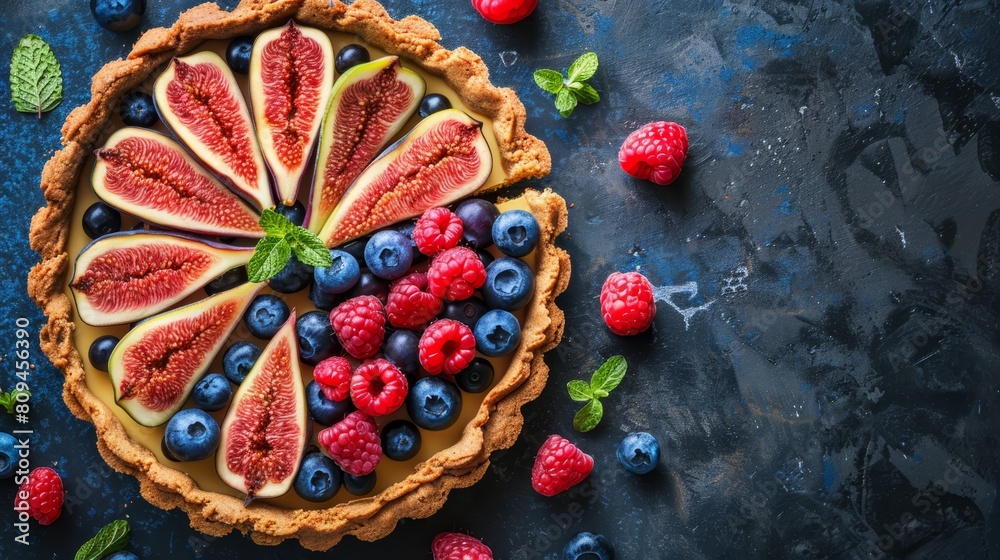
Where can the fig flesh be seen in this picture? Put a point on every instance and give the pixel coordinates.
(444, 158)
(291, 71)
(127, 276)
(370, 103)
(156, 365)
(265, 433)
(199, 100)
(150, 176)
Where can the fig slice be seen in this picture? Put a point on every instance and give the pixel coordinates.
(265, 432)
(291, 77)
(127, 276)
(444, 158)
(150, 176)
(199, 100)
(154, 367)
(370, 103)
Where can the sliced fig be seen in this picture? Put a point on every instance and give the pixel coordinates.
(370, 103)
(198, 98)
(291, 75)
(265, 433)
(444, 158)
(127, 276)
(148, 175)
(154, 367)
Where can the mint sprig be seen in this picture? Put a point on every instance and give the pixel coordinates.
(574, 88)
(8, 399)
(282, 239)
(602, 382)
(110, 539)
(35, 76)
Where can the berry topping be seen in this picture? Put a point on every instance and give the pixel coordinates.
(504, 11)
(334, 377)
(100, 351)
(227, 281)
(447, 346)
(99, 219)
(353, 443)
(265, 315)
(137, 109)
(212, 393)
(516, 233)
(459, 546)
(295, 213)
(400, 440)
(432, 103)
(318, 479)
(370, 285)
(468, 311)
(324, 410)
(433, 403)
(238, 360)
(341, 276)
(191, 435)
(559, 466)
(388, 254)
(497, 333)
(627, 303)
(655, 152)
(293, 278)
(378, 387)
(477, 217)
(456, 274)
(588, 546)
(359, 485)
(477, 377)
(509, 284)
(410, 305)
(350, 56)
(41, 495)
(639, 452)
(118, 15)
(438, 229)
(238, 54)
(360, 325)
(401, 348)
(317, 341)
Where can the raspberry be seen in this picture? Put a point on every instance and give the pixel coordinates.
(656, 152)
(455, 274)
(409, 305)
(360, 325)
(334, 378)
(378, 387)
(457, 546)
(438, 229)
(627, 303)
(353, 443)
(559, 466)
(504, 11)
(41, 495)
(447, 346)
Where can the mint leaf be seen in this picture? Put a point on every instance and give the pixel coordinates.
(588, 417)
(35, 76)
(110, 539)
(275, 224)
(9, 399)
(609, 375)
(269, 257)
(583, 68)
(309, 248)
(549, 80)
(586, 94)
(579, 390)
(565, 102)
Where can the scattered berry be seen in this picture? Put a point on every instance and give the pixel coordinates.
(137, 109)
(323, 410)
(378, 387)
(238, 54)
(401, 348)
(212, 393)
(317, 341)
(516, 233)
(296, 213)
(118, 15)
(656, 152)
(100, 219)
(476, 377)
(438, 229)
(588, 546)
(400, 440)
(388, 254)
(359, 485)
(41, 495)
(433, 403)
(293, 278)
(432, 103)
(410, 305)
(456, 274)
(459, 546)
(100, 351)
(467, 311)
(318, 479)
(504, 11)
(497, 333)
(122, 555)
(509, 285)
(447, 346)
(353, 443)
(350, 56)
(227, 281)
(360, 325)
(334, 377)
(8, 455)
(191, 435)
(627, 303)
(238, 360)
(639, 452)
(559, 466)
(370, 285)
(265, 315)
(477, 217)
(340, 276)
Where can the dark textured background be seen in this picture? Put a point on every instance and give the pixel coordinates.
(836, 396)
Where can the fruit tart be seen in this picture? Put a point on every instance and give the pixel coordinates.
(270, 279)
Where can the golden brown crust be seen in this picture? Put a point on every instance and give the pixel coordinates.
(499, 420)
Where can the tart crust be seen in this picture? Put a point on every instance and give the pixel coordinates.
(499, 420)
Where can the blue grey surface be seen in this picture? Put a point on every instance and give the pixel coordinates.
(822, 371)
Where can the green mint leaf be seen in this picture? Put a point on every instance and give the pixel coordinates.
(35, 76)
(588, 417)
(549, 80)
(309, 248)
(269, 257)
(586, 94)
(275, 224)
(565, 102)
(7, 401)
(583, 68)
(110, 539)
(601, 393)
(609, 375)
(579, 390)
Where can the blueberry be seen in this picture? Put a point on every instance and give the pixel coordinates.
(100, 219)
(370, 285)
(295, 213)
(265, 315)
(227, 281)
(406, 228)
(639, 452)
(401, 348)
(122, 555)
(516, 233)
(497, 333)
(476, 377)
(322, 409)
(350, 56)
(467, 311)
(238, 360)
(137, 109)
(212, 392)
(432, 103)
(509, 284)
(8, 455)
(588, 546)
(100, 351)
(238, 54)
(388, 254)
(477, 217)
(191, 435)
(433, 403)
(485, 257)
(118, 15)
(293, 278)
(359, 485)
(321, 299)
(341, 276)
(356, 248)
(400, 440)
(317, 341)
(318, 479)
